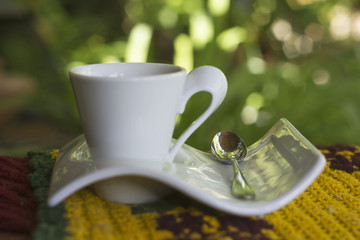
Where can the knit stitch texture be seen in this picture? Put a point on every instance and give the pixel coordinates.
(328, 209)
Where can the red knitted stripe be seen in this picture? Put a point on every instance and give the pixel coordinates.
(17, 202)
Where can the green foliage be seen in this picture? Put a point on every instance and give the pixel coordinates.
(291, 59)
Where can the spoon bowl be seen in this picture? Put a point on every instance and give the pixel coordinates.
(227, 145)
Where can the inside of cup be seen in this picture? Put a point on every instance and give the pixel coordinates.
(115, 70)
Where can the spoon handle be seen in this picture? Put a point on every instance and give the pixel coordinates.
(240, 187)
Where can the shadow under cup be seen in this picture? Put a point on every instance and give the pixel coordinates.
(128, 113)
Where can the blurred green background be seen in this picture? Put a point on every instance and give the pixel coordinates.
(297, 59)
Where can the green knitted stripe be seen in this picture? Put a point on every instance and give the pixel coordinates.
(51, 221)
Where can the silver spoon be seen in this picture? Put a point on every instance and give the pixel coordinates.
(227, 147)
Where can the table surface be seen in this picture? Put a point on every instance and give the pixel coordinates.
(328, 209)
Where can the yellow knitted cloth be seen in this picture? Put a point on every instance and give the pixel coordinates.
(329, 209)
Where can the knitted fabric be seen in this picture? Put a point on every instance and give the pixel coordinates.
(51, 222)
(17, 203)
(329, 209)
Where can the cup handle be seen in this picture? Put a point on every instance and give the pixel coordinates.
(205, 78)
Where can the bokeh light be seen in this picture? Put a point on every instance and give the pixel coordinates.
(201, 29)
(138, 43)
(183, 55)
(229, 39)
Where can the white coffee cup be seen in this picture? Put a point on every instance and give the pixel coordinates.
(128, 110)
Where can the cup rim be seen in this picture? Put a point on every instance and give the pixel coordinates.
(85, 71)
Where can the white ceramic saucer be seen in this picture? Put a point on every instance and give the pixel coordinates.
(279, 167)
